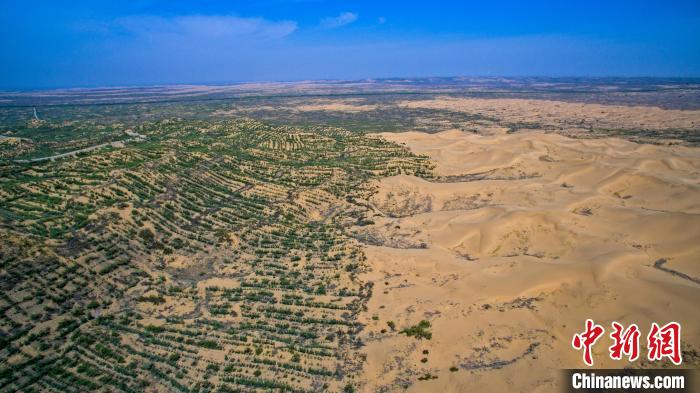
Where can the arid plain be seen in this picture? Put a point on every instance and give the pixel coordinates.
(522, 237)
(420, 235)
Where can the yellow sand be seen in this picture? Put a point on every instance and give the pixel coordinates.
(566, 114)
(513, 267)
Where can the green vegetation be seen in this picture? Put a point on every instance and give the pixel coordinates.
(200, 243)
(419, 331)
(143, 266)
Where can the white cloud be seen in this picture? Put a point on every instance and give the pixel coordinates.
(343, 19)
(207, 26)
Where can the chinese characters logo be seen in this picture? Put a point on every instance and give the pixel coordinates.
(662, 342)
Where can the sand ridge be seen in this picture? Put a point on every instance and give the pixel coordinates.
(558, 113)
(517, 241)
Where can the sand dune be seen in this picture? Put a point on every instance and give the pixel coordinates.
(557, 113)
(519, 240)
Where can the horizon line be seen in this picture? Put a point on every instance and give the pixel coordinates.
(5, 90)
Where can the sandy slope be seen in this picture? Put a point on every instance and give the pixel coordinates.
(556, 230)
(557, 113)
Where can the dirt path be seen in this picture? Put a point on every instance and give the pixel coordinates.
(74, 153)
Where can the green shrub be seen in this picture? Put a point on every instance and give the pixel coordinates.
(419, 331)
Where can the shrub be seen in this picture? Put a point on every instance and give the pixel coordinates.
(419, 331)
(147, 236)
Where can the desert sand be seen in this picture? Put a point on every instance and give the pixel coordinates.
(519, 240)
(566, 114)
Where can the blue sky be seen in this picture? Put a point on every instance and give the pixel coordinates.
(141, 42)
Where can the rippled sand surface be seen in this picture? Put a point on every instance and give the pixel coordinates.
(519, 240)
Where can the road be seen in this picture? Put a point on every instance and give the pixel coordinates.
(137, 137)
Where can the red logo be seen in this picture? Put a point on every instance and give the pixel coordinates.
(665, 342)
(662, 342)
(586, 340)
(626, 342)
